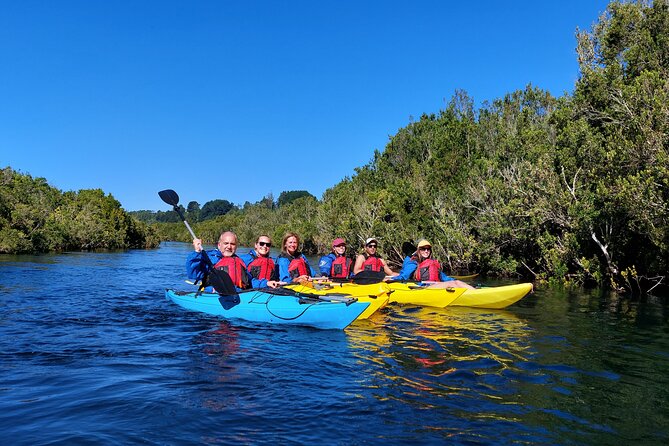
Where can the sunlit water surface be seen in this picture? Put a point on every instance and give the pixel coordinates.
(91, 352)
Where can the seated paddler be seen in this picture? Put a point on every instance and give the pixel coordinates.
(336, 265)
(292, 266)
(422, 267)
(224, 258)
(370, 260)
(260, 265)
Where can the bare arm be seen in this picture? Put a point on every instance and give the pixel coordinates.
(387, 269)
(358, 264)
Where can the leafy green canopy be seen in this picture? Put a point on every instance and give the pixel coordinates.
(566, 190)
(288, 197)
(35, 217)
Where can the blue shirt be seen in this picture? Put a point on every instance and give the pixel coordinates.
(325, 263)
(408, 268)
(196, 266)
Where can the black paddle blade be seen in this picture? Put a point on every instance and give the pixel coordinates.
(222, 283)
(228, 302)
(367, 277)
(408, 249)
(170, 197)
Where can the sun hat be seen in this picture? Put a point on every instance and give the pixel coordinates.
(338, 241)
(424, 242)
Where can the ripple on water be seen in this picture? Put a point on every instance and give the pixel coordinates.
(92, 352)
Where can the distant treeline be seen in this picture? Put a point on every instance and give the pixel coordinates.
(214, 208)
(36, 217)
(566, 190)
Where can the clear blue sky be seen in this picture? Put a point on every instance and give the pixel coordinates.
(237, 99)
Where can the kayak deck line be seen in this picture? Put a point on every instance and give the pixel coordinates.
(376, 295)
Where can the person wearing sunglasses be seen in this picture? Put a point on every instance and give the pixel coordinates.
(292, 265)
(260, 265)
(370, 260)
(336, 265)
(422, 267)
(224, 257)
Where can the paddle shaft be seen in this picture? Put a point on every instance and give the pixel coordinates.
(183, 219)
(220, 279)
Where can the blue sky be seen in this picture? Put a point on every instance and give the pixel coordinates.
(234, 100)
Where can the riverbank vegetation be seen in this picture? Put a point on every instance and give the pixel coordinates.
(564, 190)
(572, 189)
(36, 217)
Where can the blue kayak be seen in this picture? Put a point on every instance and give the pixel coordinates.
(276, 307)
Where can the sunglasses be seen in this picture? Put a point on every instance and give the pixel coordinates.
(425, 248)
(268, 244)
(371, 246)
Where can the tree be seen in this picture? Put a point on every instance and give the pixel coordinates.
(287, 197)
(215, 208)
(35, 217)
(570, 190)
(620, 109)
(193, 210)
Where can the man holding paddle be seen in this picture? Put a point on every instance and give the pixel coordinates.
(223, 258)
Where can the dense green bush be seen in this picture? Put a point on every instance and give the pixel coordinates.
(564, 190)
(35, 217)
(569, 190)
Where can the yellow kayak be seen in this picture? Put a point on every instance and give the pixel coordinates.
(493, 297)
(414, 294)
(375, 294)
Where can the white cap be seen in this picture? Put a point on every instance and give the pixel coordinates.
(370, 240)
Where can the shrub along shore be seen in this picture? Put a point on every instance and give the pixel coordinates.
(36, 217)
(564, 190)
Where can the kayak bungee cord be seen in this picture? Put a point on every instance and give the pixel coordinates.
(271, 296)
(285, 318)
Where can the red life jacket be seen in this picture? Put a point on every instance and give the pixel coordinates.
(236, 269)
(297, 266)
(340, 268)
(428, 269)
(372, 263)
(261, 268)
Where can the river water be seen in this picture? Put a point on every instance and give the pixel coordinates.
(91, 352)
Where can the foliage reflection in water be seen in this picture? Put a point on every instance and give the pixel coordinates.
(91, 351)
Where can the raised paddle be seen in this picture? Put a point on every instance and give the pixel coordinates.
(217, 278)
(172, 198)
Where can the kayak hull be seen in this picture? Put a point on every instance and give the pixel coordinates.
(265, 307)
(492, 297)
(375, 294)
(414, 294)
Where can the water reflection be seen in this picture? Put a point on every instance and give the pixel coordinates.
(448, 364)
(442, 350)
(98, 349)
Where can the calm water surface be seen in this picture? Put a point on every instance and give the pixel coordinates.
(92, 353)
